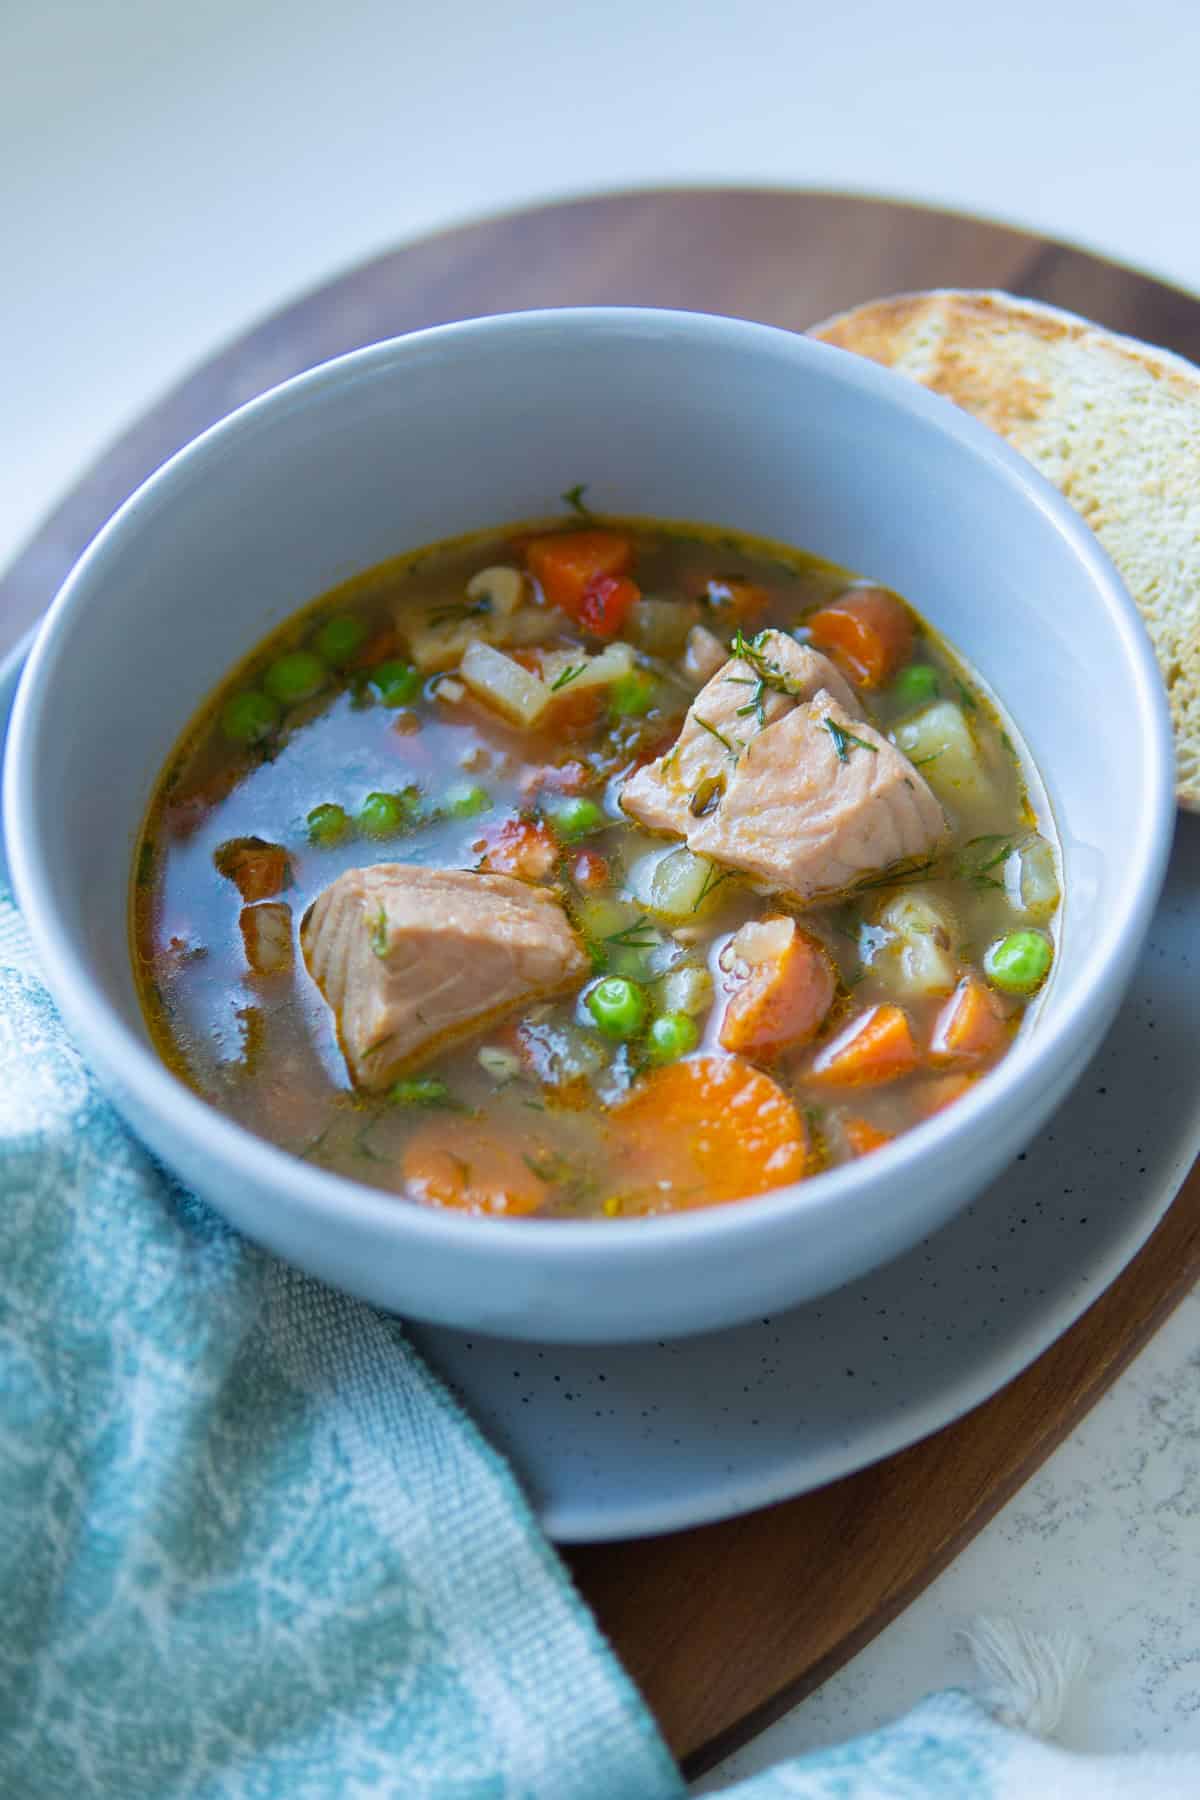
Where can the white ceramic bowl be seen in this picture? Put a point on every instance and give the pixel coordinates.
(668, 414)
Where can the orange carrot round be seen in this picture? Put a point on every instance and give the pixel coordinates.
(867, 632)
(782, 999)
(876, 1046)
(704, 1131)
(476, 1171)
(972, 1026)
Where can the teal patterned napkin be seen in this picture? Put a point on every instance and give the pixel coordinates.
(251, 1549)
(248, 1544)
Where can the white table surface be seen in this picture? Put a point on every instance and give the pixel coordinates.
(170, 173)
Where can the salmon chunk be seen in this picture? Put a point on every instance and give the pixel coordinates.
(412, 959)
(799, 793)
(726, 715)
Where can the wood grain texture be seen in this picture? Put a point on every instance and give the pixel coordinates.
(725, 1627)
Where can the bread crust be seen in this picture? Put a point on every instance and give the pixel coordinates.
(1113, 423)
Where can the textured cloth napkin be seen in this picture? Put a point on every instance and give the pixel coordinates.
(249, 1546)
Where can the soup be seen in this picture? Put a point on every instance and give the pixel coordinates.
(592, 870)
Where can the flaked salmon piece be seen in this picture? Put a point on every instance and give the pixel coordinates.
(727, 714)
(412, 959)
(810, 810)
(788, 783)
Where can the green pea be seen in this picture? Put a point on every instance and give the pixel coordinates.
(617, 1006)
(1020, 962)
(249, 717)
(340, 638)
(464, 801)
(420, 1090)
(327, 825)
(916, 684)
(671, 1036)
(397, 683)
(632, 694)
(577, 817)
(380, 815)
(295, 677)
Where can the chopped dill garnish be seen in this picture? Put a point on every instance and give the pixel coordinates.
(568, 675)
(898, 873)
(734, 750)
(627, 938)
(966, 696)
(841, 737)
(920, 761)
(456, 611)
(711, 881)
(575, 500)
(979, 857)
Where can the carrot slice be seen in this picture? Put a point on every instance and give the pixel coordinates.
(935, 1096)
(522, 847)
(476, 1171)
(566, 564)
(971, 1026)
(862, 1137)
(877, 1045)
(704, 1131)
(868, 633)
(735, 601)
(785, 993)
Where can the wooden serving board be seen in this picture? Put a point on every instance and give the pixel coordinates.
(727, 1626)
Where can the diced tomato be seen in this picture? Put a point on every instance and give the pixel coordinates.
(525, 848)
(606, 604)
(560, 778)
(589, 871)
(867, 632)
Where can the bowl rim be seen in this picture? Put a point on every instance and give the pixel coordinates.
(312, 1194)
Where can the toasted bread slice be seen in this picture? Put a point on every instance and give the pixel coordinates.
(1113, 423)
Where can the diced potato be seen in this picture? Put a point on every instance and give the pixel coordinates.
(687, 989)
(503, 684)
(939, 741)
(267, 937)
(660, 626)
(503, 589)
(1031, 879)
(672, 883)
(916, 955)
(442, 642)
(577, 670)
(449, 690)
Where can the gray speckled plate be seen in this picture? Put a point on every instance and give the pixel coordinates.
(645, 1438)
